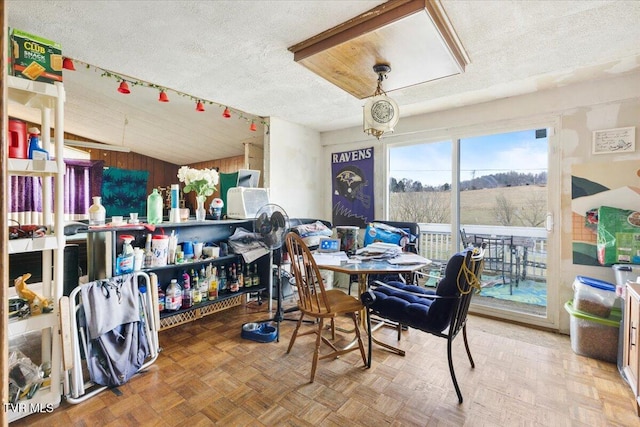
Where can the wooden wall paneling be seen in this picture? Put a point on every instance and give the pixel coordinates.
(144, 165)
(137, 163)
(121, 160)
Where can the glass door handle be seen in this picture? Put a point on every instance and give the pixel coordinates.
(549, 222)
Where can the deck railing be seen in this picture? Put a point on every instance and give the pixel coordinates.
(437, 244)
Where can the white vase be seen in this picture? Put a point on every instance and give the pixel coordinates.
(201, 212)
(97, 212)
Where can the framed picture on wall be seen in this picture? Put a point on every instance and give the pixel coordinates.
(620, 140)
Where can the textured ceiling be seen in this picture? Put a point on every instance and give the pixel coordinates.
(235, 53)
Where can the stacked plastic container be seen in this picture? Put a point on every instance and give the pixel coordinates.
(624, 273)
(595, 322)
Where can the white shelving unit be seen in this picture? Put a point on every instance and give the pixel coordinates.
(49, 99)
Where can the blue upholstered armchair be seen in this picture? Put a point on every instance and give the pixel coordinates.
(442, 312)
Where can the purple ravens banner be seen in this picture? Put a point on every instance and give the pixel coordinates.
(352, 176)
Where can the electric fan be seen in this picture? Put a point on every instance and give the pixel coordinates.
(272, 225)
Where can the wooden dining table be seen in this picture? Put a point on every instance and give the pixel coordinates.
(363, 268)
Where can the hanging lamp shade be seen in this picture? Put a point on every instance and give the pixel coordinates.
(199, 106)
(124, 87)
(226, 113)
(163, 96)
(67, 64)
(253, 126)
(381, 114)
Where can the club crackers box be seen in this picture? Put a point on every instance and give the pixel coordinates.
(34, 58)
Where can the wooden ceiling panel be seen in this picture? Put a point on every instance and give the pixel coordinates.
(412, 36)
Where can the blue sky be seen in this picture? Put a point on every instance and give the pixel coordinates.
(431, 163)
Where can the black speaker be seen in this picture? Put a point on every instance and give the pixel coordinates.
(71, 268)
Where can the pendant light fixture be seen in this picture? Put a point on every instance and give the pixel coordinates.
(163, 96)
(67, 64)
(381, 113)
(124, 87)
(253, 126)
(199, 106)
(226, 113)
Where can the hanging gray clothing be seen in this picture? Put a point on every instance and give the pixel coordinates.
(117, 344)
(109, 303)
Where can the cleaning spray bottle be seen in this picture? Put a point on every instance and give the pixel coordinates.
(124, 261)
(35, 151)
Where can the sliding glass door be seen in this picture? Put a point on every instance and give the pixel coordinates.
(490, 189)
(503, 203)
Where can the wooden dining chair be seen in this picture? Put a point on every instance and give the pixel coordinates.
(315, 302)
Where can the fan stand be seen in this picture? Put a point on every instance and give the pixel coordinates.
(266, 225)
(279, 314)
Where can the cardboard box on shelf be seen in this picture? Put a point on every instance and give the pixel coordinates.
(34, 58)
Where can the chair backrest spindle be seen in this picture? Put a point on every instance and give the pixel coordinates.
(311, 291)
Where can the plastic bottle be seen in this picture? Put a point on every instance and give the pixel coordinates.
(241, 275)
(213, 284)
(161, 299)
(35, 151)
(174, 213)
(195, 287)
(248, 276)
(204, 283)
(148, 254)
(97, 212)
(256, 276)
(187, 295)
(175, 196)
(222, 279)
(154, 207)
(124, 261)
(233, 279)
(173, 296)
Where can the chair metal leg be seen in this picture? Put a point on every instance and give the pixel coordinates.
(372, 339)
(466, 345)
(369, 335)
(453, 374)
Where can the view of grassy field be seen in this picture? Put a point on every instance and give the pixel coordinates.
(476, 206)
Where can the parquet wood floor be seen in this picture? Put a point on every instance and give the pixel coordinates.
(207, 374)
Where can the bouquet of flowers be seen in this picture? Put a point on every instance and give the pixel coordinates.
(202, 181)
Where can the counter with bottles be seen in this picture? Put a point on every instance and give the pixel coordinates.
(106, 244)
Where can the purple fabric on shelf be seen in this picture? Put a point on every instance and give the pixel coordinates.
(82, 180)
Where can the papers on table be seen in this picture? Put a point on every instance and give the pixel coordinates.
(391, 253)
(378, 251)
(408, 259)
(330, 258)
(374, 252)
